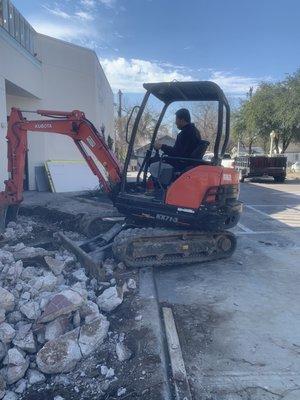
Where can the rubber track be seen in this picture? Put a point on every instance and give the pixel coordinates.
(125, 241)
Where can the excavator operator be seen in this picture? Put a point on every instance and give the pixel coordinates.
(187, 140)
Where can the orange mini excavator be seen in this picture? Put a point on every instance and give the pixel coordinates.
(185, 220)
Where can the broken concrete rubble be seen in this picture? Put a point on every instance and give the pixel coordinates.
(17, 366)
(2, 387)
(24, 339)
(110, 373)
(2, 315)
(21, 386)
(3, 350)
(34, 376)
(60, 355)
(131, 284)
(110, 299)
(61, 304)
(7, 300)
(89, 311)
(109, 265)
(29, 273)
(121, 391)
(14, 271)
(10, 396)
(43, 283)
(92, 335)
(17, 230)
(56, 328)
(123, 352)
(6, 257)
(7, 332)
(25, 296)
(76, 319)
(31, 253)
(103, 370)
(55, 265)
(31, 310)
(80, 288)
(43, 298)
(80, 275)
(42, 335)
(14, 317)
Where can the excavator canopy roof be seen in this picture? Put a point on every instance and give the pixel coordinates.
(169, 92)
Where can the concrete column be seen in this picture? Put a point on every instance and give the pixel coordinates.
(3, 128)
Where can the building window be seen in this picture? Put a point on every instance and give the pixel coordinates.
(4, 14)
(1, 14)
(11, 19)
(17, 25)
(26, 34)
(31, 44)
(22, 31)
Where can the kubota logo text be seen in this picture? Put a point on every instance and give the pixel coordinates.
(43, 126)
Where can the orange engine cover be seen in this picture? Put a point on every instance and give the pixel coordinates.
(190, 188)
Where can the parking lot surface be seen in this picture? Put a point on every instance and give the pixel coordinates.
(238, 320)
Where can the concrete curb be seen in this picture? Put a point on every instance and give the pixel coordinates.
(151, 317)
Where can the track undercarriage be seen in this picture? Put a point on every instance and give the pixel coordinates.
(143, 247)
(140, 247)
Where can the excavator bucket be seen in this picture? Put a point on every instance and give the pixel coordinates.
(7, 214)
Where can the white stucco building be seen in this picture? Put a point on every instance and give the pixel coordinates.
(40, 72)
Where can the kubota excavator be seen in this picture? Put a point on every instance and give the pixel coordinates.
(187, 217)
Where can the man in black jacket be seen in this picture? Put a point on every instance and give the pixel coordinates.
(187, 140)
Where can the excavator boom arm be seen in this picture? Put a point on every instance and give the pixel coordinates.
(72, 124)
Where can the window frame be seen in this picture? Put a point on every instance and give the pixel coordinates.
(11, 19)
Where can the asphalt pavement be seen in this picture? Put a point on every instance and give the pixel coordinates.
(238, 320)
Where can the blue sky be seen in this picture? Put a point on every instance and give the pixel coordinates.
(236, 43)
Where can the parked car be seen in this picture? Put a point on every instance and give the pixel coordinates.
(296, 167)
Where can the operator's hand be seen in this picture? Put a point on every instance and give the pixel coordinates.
(157, 146)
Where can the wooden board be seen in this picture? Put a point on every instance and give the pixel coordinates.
(181, 383)
(70, 176)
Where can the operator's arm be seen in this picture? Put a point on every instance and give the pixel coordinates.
(173, 151)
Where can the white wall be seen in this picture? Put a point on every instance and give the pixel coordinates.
(70, 82)
(19, 66)
(67, 77)
(104, 102)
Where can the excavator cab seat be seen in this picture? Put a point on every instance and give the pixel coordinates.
(166, 173)
(199, 152)
(163, 172)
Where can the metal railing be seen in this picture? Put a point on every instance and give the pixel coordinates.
(16, 25)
